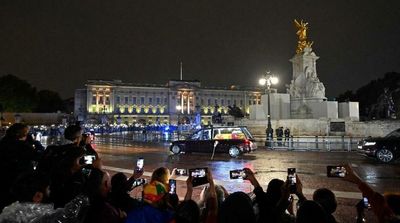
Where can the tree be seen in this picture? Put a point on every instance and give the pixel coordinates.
(17, 95)
(370, 94)
(49, 101)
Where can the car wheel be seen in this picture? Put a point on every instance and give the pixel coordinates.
(384, 155)
(175, 149)
(234, 152)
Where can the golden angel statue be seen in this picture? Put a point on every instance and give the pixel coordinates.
(302, 33)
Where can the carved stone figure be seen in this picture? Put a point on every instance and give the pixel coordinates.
(302, 33)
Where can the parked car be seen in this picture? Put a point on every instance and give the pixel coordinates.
(226, 139)
(385, 149)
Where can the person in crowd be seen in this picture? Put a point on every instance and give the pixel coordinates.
(273, 203)
(327, 199)
(121, 186)
(311, 212)
(279, 135)
(17, 157)
(31, 191)
(221, 193)
(287, 135)
(210, 212)
(385, 207)
(86, 144)
(187, 212)
(157, 206)
(97, 188)
(237, 207)
(68, 179)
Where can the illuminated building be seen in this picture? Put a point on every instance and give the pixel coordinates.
(135, 103)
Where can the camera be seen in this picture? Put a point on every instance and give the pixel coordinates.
(172, 186)
(181, 172)
(292, 179)
(199, 176)
(237, 174)
(336, 171)
(139, 164)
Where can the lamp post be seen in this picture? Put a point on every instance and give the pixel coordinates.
(178, 110)
(267, 80)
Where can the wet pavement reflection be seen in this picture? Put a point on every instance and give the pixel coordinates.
(122, 152)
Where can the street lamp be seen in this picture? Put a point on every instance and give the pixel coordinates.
(268, 80)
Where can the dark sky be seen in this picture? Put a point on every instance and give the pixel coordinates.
(59, 44)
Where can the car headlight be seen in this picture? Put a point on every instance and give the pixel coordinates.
(370, 143)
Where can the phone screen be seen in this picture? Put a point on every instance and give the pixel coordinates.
(172, 186)
(88, 159)
(336, 171)
(181, 172)
(139, 164)
(292, 179)
(237, 174)
(199, 176)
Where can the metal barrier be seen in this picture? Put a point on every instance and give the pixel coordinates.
(317, 143)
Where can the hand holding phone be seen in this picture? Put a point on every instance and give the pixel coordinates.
(292, 180)
(139, 165)
(199, 176)
(336, 171)
(172, 186)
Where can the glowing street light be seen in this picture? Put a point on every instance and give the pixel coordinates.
(267, 80)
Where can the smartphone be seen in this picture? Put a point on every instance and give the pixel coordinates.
(237, 174)
(336, 171)
(199, 176)
(138, 182)
(139, 164)
(181, 172)
(88, 159)
(366, 203)
(292, 179)
(172, 186)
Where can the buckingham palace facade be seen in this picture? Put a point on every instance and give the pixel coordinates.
(181, 100)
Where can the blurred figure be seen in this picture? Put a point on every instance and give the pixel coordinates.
(120, 187)
(31, 191)
(237, 207)
(16, 157)
(86, 144)
(327, 199)
(311, 212)
(97, 189)
(187, 212)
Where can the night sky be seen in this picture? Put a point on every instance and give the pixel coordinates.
(58, 45)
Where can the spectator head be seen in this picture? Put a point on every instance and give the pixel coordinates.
(73, 133)
(274, 191)
(31, 187)
(393, 201)
(161, 175)
(311, 212)
(205, 194)
(70, 162)
(18, 131)
(98, 184)
(154, 192)
(187, 212)
(237, 207)
(326, 198)
(119, 183)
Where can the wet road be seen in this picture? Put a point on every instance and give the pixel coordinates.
(120, 154)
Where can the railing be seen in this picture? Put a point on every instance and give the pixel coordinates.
(317, 143)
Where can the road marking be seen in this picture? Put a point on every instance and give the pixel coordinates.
(306, 191)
